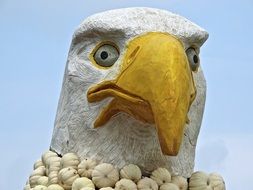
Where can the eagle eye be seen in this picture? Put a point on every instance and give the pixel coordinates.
(193, 59)
(106, 55)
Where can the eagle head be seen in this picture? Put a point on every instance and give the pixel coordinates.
(133, 90)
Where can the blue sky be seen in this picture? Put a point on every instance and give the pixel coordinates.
(35, 38)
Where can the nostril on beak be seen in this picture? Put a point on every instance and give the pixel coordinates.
(133, 55)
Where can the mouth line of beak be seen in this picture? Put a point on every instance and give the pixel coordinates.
(110, 89)
(123, 101)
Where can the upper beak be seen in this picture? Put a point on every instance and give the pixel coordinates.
(155, 85)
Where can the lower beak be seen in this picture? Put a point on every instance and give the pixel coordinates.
(155, 85)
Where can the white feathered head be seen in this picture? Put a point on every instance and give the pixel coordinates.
(133, 90)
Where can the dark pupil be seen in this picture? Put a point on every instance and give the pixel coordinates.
(104, 55)
(195, 59)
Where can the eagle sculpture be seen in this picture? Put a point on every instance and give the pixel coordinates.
(133, 91)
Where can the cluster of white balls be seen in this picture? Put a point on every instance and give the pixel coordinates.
(68, 172)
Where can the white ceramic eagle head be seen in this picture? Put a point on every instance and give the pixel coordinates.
(133, 90)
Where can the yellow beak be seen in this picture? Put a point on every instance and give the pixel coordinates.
(155, 85)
